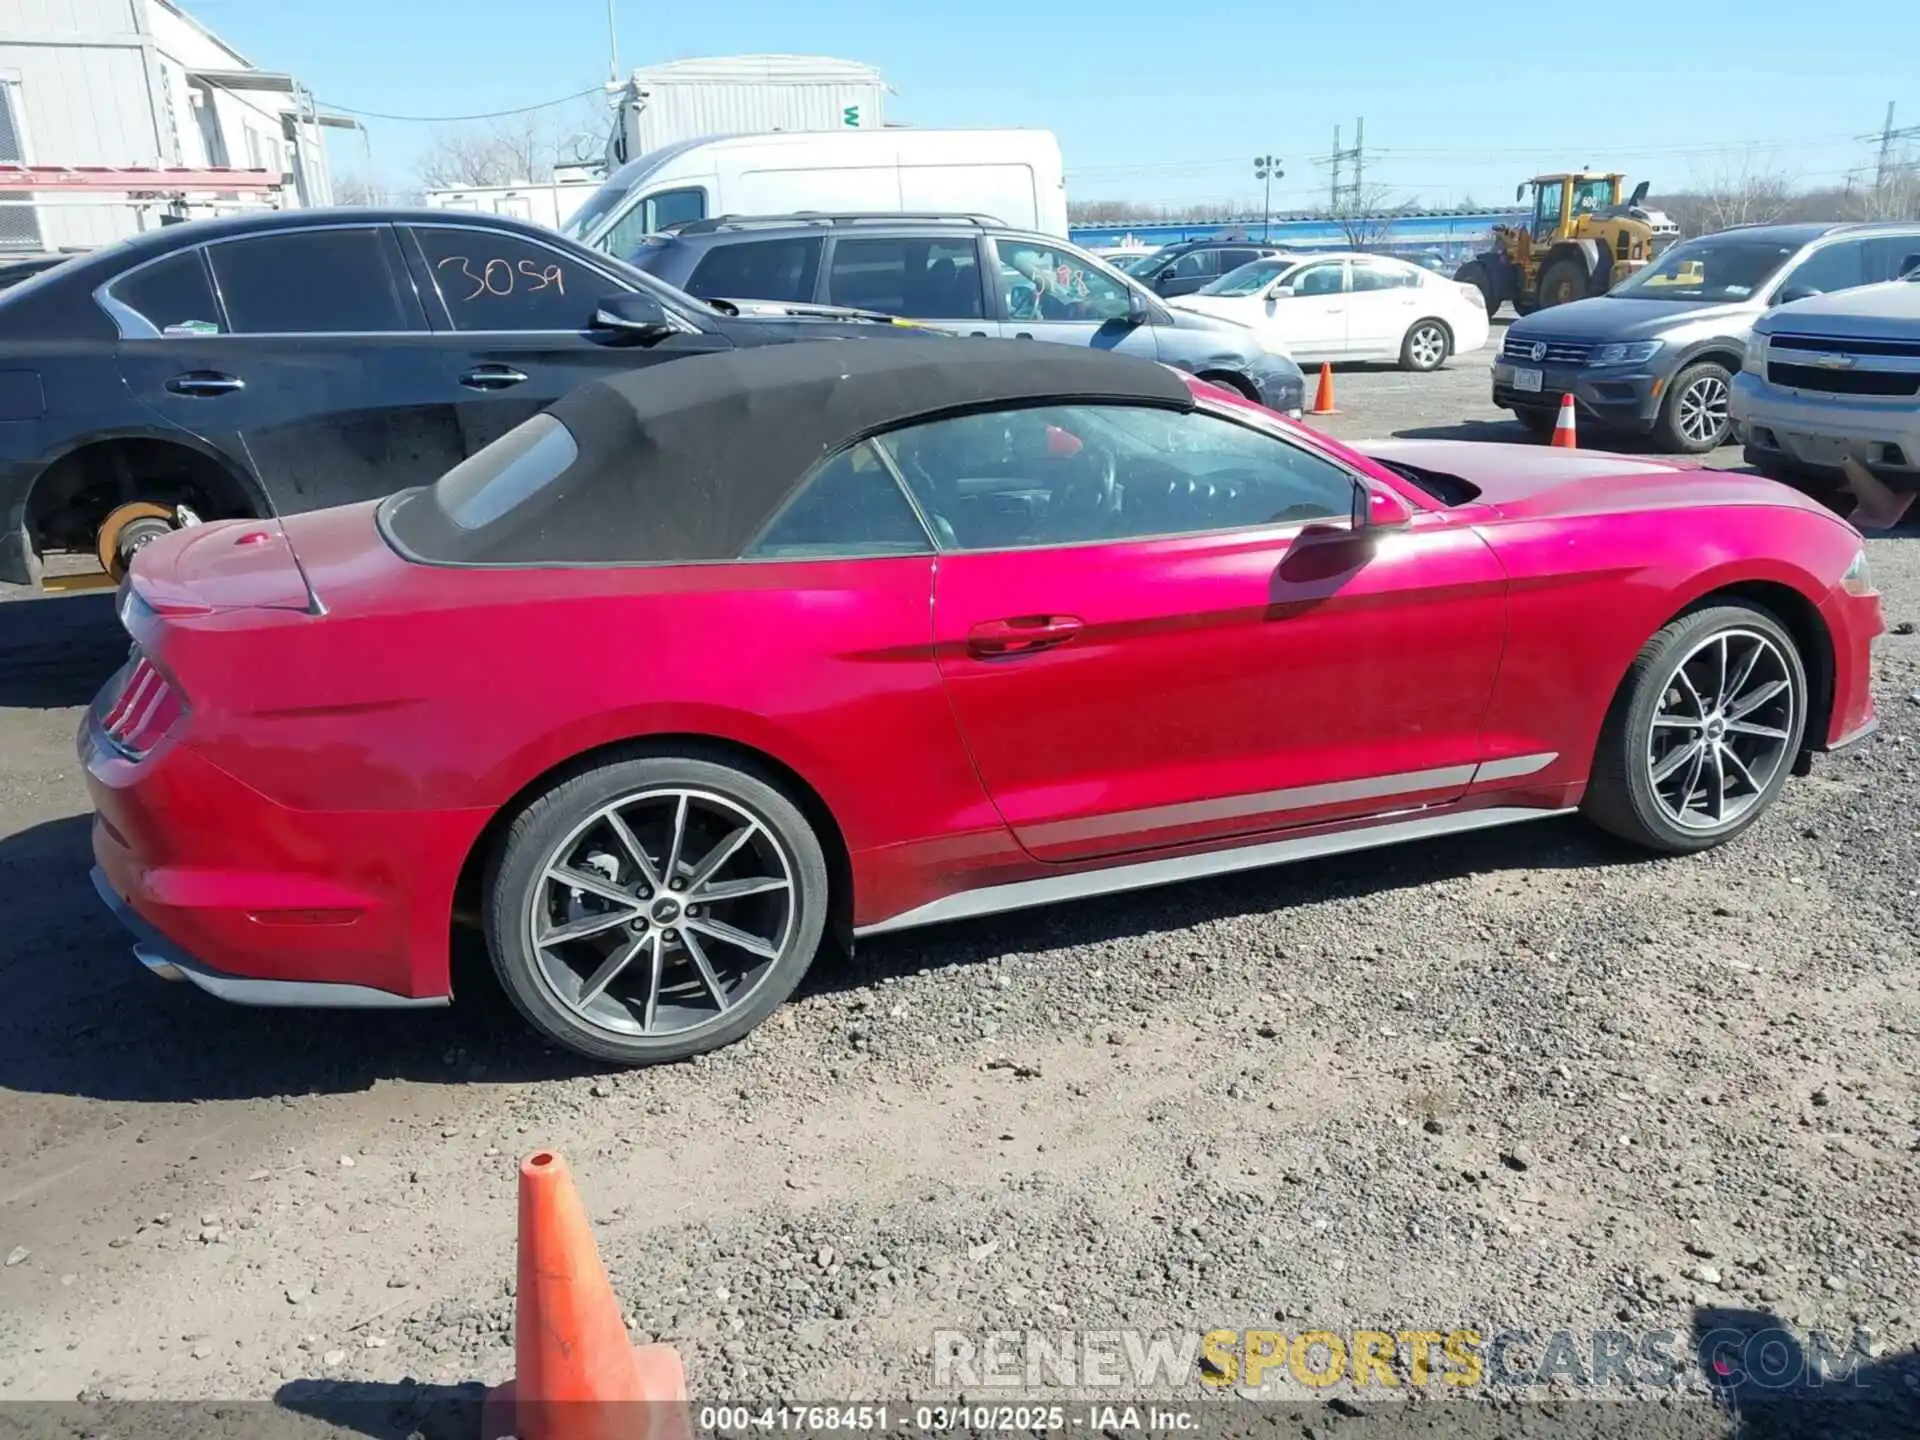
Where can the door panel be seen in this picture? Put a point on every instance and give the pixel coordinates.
(516, 312)
(1313, 319)
(1383, 302)
(322, 418)
(1216, 686)
(1048, 292)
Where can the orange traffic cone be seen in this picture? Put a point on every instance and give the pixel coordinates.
(1563, 438)
(1323, 399)
(577, 1376)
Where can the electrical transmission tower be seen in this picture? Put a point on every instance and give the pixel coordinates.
(1884, 166)
(1348, 196)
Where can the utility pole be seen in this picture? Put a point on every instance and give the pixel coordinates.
(1267, 168)
(1333, 190)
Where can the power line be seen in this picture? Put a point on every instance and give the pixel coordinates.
(460, 119)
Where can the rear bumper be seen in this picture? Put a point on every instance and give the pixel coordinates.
(1615, 398)
(261, 904)
(168, 961)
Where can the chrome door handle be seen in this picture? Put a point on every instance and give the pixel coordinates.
(205, 384)
(492, 377)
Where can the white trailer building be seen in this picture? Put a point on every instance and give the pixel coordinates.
(139, 83)
(742, 95)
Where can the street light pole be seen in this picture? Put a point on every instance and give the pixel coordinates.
(1267, 168)
(613, 41)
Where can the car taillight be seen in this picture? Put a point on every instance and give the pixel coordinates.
(146, 708)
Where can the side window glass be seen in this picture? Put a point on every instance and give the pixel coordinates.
(1380, 275)
(1040, 282)
(849, 507)
(1080, 474)
(1891, 257)
(1840, 266)
(1192, 265)
(675, 207)
(918, 279)
(1234, 259)
(758, 270)
(493, 280)
(1324, 279)
(310, 282)
(173, 295)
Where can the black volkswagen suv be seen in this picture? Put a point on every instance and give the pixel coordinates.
(274, 363)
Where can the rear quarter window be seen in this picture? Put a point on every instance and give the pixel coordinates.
(759, 270)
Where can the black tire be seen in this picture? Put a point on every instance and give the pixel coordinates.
(1475, 273)
(1537, 418)
(1423, 358)
(1563, 280)
(552, 820)
(1621, 793)
(1525, 305)
(1705, 383)
(1235, 383)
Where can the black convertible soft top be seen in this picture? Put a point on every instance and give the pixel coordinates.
(687, 460)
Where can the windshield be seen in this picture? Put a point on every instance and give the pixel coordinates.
(1144, 264)
(1247, 279)
(602, 203)
(1718, 268)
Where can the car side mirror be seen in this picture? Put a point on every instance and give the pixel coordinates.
(1795, 292)
(633, 317)
(1375, 508)
(1137, 311)
(1280, 292)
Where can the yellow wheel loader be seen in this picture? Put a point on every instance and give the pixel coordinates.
(1582, 241)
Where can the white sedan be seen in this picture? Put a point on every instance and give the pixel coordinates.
(1349, 307)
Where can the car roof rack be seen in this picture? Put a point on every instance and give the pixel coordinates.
(716, 223)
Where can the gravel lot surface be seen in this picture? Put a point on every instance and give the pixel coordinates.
(1523, 1079)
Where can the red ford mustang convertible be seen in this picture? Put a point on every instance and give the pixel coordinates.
(704, 665)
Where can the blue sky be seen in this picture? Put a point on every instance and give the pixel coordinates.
(1169, 101)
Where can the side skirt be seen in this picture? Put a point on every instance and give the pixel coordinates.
(1140, 875)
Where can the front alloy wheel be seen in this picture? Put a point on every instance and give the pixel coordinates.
(1703, 732)
(1698, 415)
(1721, 732)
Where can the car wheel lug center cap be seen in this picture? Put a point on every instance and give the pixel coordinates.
(666, 910)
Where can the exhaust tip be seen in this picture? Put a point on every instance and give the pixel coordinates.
(158, 964)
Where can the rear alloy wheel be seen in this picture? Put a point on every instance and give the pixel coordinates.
(1697, 416)
(650, 909)
(1704, 731)
(1426, 347)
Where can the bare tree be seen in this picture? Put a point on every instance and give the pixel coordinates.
(516, 150)
(1365, 218)
(1895, 195)
(1739, 193)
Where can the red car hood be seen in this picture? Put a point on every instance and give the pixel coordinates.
(1525, 481)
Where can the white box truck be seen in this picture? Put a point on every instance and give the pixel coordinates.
(1013, 175)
